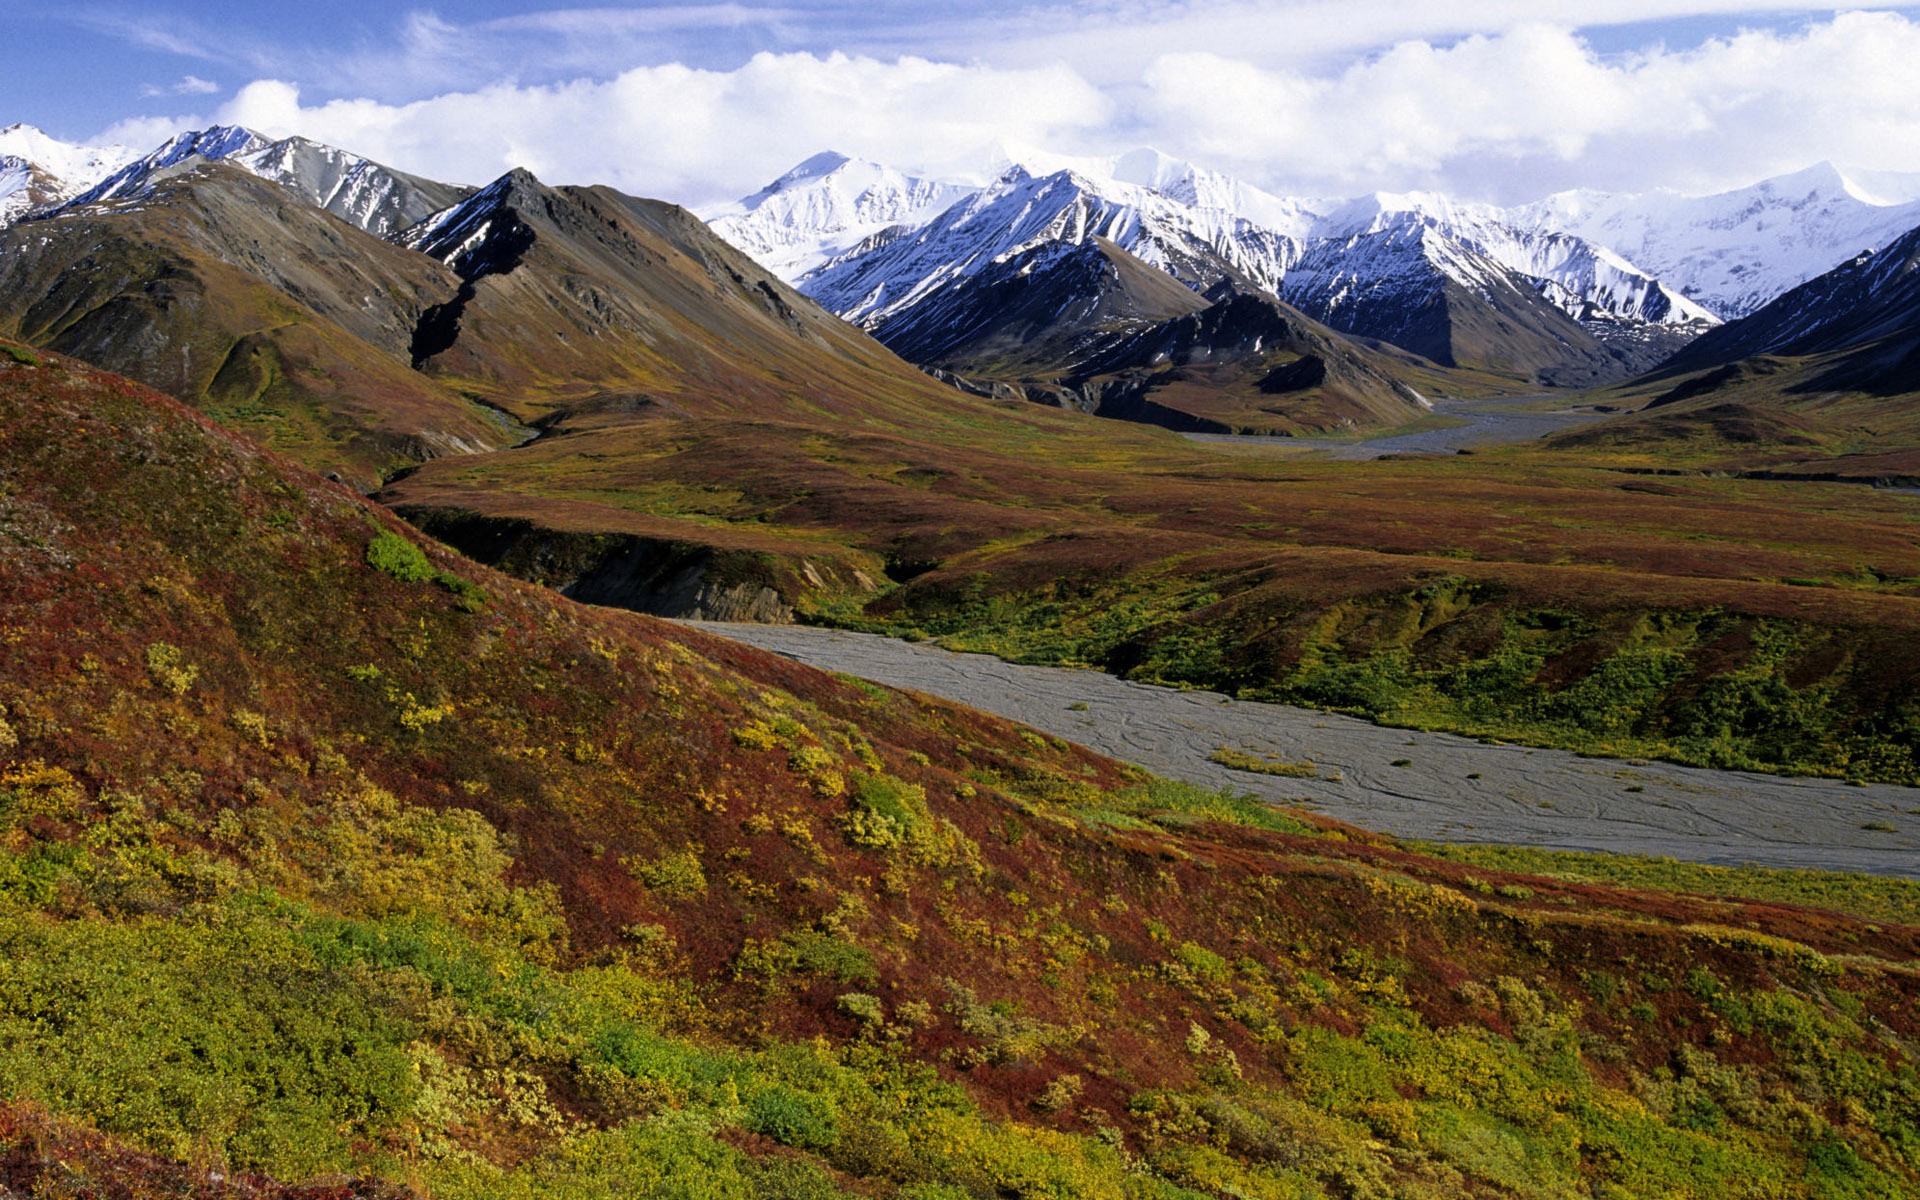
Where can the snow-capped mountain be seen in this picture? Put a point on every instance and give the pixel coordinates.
(1362, 265)
(825, 207)
(1733, 252)
(37, 170)
(1871, 302)
(1586, 279)
(358, 190)
(221, 141)
(1412, 283)
(1403, 269)
(1201, 247)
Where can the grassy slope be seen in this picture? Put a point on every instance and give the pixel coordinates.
(1514, 593)
(323, 856)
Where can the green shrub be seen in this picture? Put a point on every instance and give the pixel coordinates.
(165, 665)
(677, 876)
(186, 1039)
(806, 952)
(467, 596)
(792, 1118)
(396, 556)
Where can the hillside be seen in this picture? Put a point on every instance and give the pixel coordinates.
(1816, 384)
(327, 855)
(232, 293)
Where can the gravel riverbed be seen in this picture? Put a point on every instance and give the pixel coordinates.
(1422, 785)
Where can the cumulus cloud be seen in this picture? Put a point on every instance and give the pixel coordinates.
(1536, 109)
(699, 136)
(1505, 116)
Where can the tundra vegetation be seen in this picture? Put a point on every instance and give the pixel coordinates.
(313, 874)
(1551, 595)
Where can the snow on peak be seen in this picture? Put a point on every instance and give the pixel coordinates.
(1733, 252)
(824, 163)
(825, 207)
(221, 141)
(37, 169)
(350, 187)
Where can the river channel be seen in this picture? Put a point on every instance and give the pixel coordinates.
(1491, 422)
(1419, 785)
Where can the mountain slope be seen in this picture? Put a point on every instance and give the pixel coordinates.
(360, 355)
(361, 192)
(231, 292)
(1736, 251)
(570, 295)
(1873, 300)
(1817, 384)
(1407, 282)
(1034, 310)
(1244, 364)
(442, 886)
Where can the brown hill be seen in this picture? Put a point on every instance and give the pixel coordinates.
(233, 294)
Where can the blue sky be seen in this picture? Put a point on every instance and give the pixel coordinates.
(1499, 99)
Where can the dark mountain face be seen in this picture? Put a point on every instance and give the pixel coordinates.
(1246, 363)
(1867, 312)
(1036, 312)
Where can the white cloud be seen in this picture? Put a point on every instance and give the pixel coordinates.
(192, 85)
(1112, 41)
(1535, 109)
(698, 136)
(1508, 115)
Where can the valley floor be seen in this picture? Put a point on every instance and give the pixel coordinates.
(1404, 782)
(1455, 425)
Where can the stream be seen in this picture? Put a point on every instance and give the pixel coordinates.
(1432, 786)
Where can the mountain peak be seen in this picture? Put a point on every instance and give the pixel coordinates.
(1822, 177)
(482, 234)
(1150, 168)
(824, 163)
(827, 206)
(212, 144)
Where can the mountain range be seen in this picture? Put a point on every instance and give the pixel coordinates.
(1557, 292)
(1577, 289)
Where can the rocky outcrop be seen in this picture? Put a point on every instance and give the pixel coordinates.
(663, 577)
